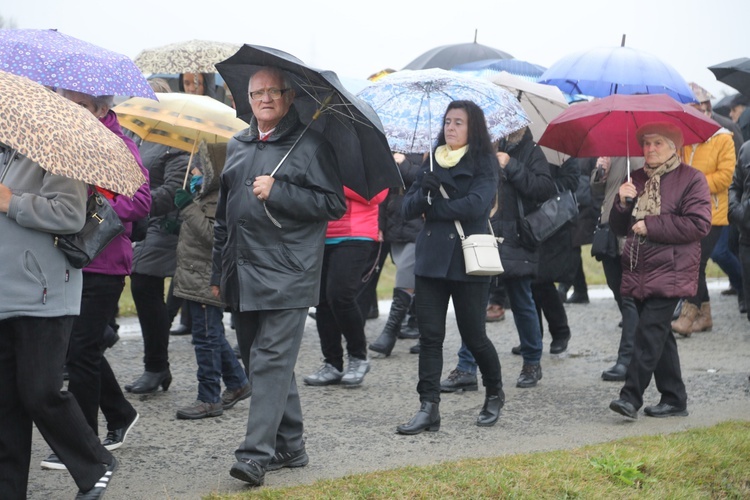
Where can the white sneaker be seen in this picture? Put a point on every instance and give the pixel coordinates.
(326, 375)
(355, 371)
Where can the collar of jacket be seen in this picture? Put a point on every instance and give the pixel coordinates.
(287, 123)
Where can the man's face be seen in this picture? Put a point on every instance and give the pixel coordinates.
(735, 112)
(267, 109)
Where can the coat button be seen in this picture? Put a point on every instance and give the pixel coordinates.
(451, 236)
(241, 262)
(261, 145)
(429, 233)
(241, 222)
(248, 182)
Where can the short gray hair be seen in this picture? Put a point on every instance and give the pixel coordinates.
(286, 80)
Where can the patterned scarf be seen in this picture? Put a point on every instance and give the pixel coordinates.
(447, 158)
(649, 202)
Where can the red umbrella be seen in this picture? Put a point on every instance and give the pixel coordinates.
(606, 127)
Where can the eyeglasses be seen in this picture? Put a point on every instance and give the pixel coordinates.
(259, 95)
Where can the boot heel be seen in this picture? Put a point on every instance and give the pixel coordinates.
(166, 382)
(433, 427)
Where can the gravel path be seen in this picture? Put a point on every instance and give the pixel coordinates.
(353, 430)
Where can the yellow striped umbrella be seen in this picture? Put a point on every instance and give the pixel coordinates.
(179, 120)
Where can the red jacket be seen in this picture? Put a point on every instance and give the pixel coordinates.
(666, 263)
(360, 219)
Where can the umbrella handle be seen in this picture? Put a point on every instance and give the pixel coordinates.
(190, 161)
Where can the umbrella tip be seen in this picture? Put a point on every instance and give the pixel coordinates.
(622, 43)
(475, 34)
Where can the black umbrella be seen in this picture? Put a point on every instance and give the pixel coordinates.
(735, 73)
(353, 128)
(724, 105)
(448, 56)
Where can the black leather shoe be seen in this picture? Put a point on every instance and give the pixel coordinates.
(616, 373)
(742, 304)
(248, 470)
(578, 298)
(491, 410)
(559, 346)
(665, 410)
(516, 350)
(415, 348)
(100, 487)
(426, 419)
(110, 337)
(149, 382)
(624, 408)
(180, 330)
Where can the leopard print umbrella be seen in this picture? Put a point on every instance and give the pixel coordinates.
(63, 137)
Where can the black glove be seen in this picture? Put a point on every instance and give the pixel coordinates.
(430, 183)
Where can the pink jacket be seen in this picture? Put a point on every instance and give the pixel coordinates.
(360, 219)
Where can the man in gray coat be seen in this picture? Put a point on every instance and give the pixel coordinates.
(268, 252)
(42, 297)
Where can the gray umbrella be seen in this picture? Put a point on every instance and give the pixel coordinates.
(448, 56)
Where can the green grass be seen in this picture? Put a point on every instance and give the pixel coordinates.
(700, 463)
(591, 267)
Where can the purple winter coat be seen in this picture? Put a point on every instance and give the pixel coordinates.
(666, 264)
(117, 258)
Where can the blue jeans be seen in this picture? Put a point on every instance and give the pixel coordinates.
(215, 357)
(526, 319)
(727, 260)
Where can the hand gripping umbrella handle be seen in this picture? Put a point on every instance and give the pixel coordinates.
(315, 116)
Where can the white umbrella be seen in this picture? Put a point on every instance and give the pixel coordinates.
(542, 103)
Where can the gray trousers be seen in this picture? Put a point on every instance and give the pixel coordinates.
(269, 343)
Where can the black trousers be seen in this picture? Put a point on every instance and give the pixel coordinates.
(32, 354)
(548, 302)
(337, 314)
(148, 296)
(92, 381)
(470, 303)
(655, 355)
(744, 254)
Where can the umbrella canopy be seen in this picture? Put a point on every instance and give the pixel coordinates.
(179, 120)
(724, 105)
(350, 125)
(411, 105)
(57, 60)
(542, 104)
(192, 56)
(448, 56)
(735, 73)
(63, 137)
(489, 67)
(606, 127)
(603, 71)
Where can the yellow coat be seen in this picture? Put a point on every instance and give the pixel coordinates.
(716, 158)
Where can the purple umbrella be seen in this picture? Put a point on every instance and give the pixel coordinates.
(57, 60)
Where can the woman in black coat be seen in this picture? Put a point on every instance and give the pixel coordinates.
(466, 168)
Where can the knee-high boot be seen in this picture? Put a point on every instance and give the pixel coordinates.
(409, 328)
(387, 339)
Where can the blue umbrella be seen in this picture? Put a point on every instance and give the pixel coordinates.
(57, 60)
(605, 71)
(490, 67)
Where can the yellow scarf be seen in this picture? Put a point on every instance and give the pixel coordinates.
(447, 158)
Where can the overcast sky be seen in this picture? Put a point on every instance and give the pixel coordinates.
(356, 38)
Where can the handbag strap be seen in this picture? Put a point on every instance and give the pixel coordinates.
(457, 222)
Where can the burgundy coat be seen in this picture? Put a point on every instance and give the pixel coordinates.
(666, 263)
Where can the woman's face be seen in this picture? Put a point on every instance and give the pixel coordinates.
(193, 83)
(656, 149)
(83, 100)
(456, 128)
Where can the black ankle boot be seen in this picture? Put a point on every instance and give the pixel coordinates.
(387, 339)
(493, 403)
(150, 381)
(426, 419)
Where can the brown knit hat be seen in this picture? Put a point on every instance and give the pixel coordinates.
(665, 129)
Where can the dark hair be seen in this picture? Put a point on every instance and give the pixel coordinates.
(478, 136)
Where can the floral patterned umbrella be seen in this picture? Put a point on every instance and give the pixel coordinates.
(411, 105)
(193, 56)
(57, 60)
(63, 137)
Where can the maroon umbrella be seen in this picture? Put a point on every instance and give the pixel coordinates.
(606, 127)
